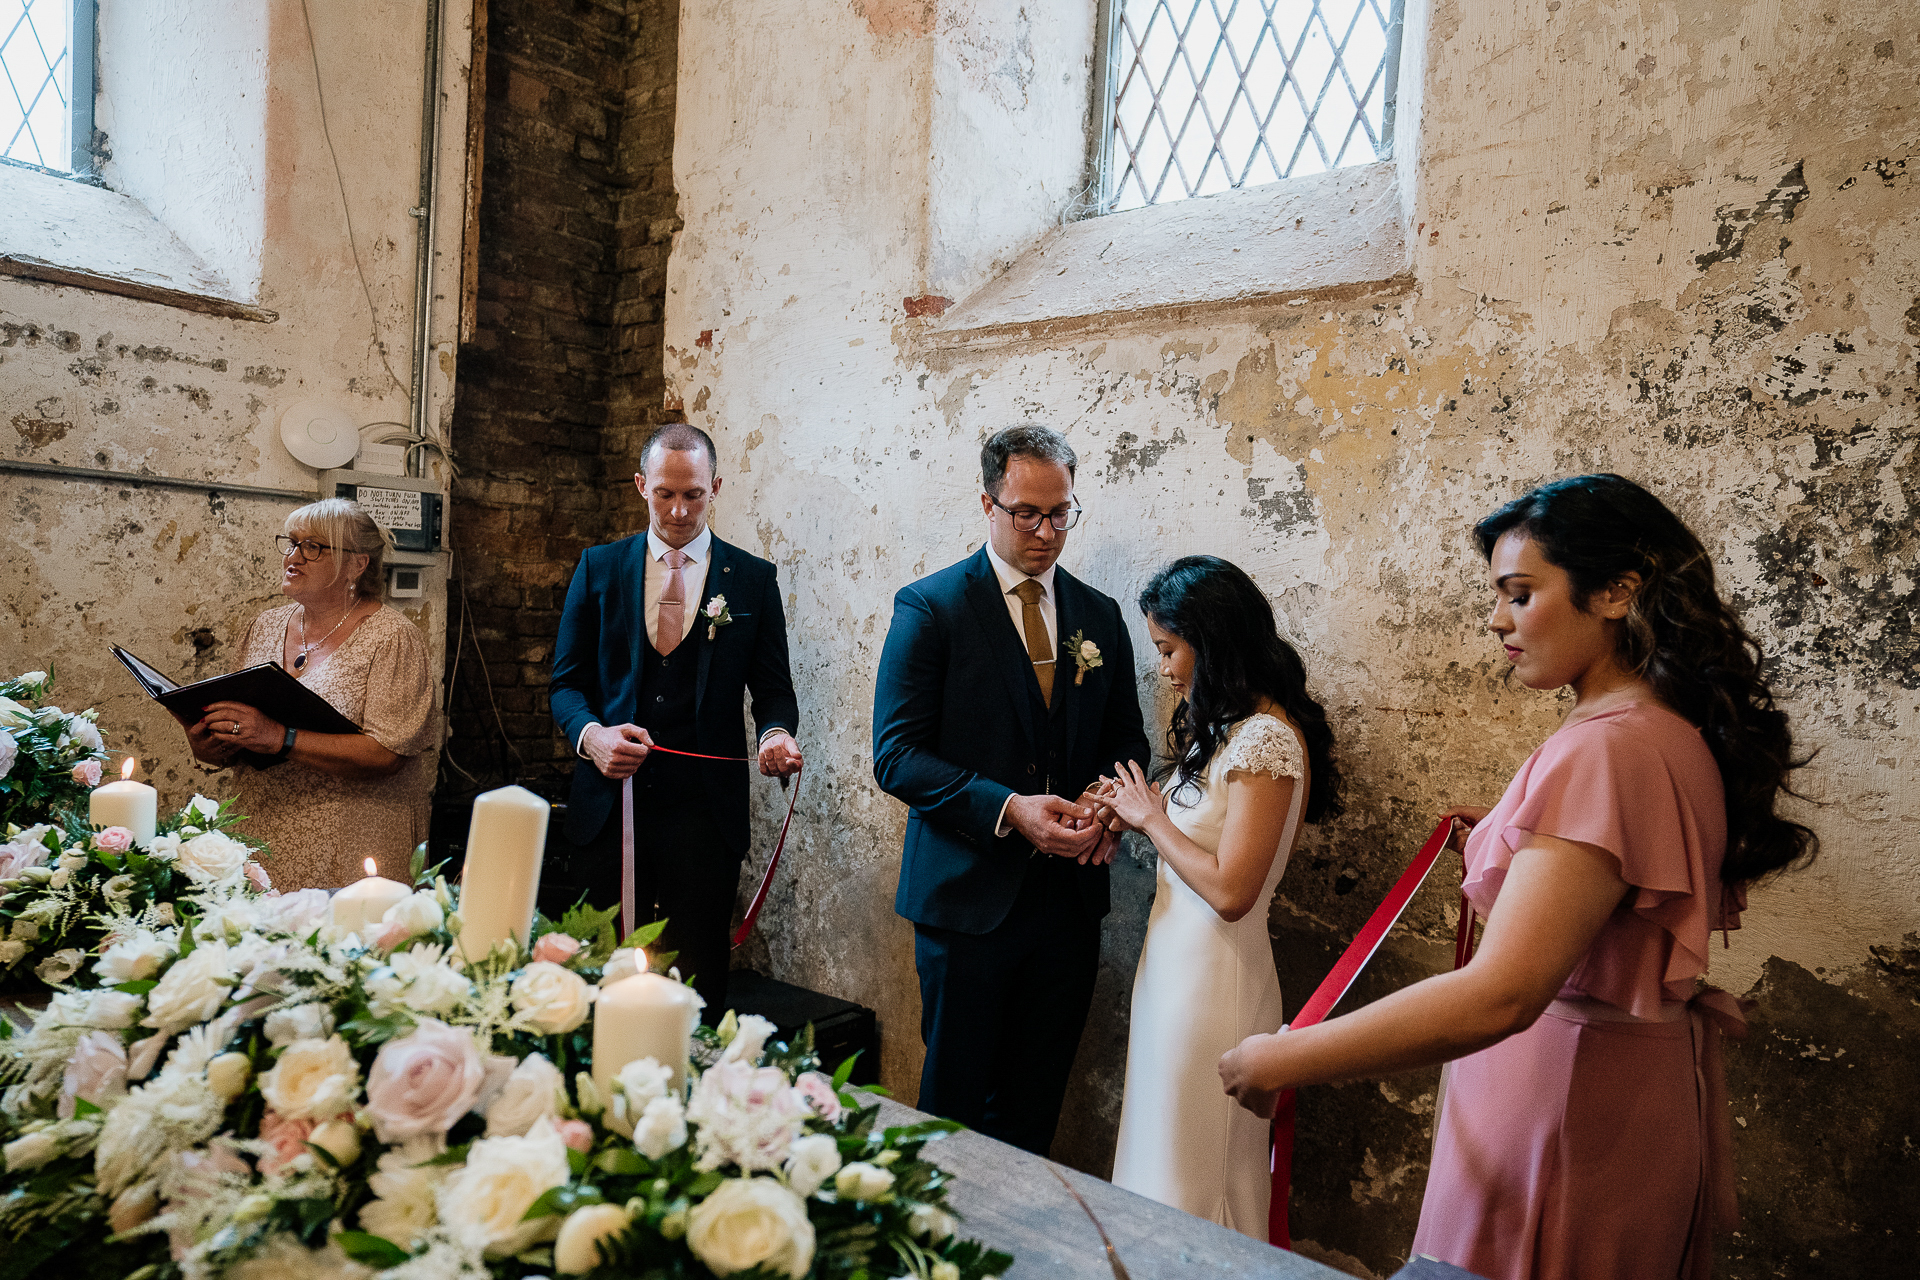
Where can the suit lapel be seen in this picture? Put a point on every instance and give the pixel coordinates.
(1069, 617)
(1003, 639)
(633, 581)
(721, 556)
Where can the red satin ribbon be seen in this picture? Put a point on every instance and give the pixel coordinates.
(627, 921)
(1329, 993)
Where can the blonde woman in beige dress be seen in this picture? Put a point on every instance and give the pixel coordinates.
(336, 799)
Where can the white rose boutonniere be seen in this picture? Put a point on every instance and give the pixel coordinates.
(717, 615)
(1085, 654)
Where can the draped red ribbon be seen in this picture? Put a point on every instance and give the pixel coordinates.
(1335, 985)
(627, 921)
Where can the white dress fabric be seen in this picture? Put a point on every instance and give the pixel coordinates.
(1203, 986)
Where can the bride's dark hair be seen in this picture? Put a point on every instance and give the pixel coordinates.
(1238, 656)
(1683, 639)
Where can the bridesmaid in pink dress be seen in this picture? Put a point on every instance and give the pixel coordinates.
(1584, 1129)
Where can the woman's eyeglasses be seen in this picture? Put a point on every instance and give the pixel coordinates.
(308, 549)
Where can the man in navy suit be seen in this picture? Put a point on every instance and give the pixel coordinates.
(989, 711)
(644, 659)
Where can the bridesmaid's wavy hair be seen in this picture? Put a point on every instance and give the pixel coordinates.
(1683, 639)
(1238, 657)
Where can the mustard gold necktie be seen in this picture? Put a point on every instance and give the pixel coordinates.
(1039, 643)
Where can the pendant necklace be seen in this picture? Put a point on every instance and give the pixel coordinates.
(300, 659)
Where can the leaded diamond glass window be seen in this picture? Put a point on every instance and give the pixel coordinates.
(1211, 95)
(46, 83)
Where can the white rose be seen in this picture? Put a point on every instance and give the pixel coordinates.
(639, 1082)
(749, 1040)
(227, 1075)
(84, 732)
(112, 1010)
(203, 809)
(165, 847)
(61, 965)
(862, 1181)
(32, 1151)
(555, 998)
(313, 1080)
(815, 1158)
(623, 963)
(339, 1139)
(212, 857)
(138, 955)
(192, 990)
(502, 1178)
(418, 913)
(944, 1270)
(532, 1093)
(576, 1250)
(11, 953)
(931, 1223)
(662, 1127)
(298, 913)
(9, 750)
(751, 1222)
(1089, 650)
(301, 1022)
(431, 987)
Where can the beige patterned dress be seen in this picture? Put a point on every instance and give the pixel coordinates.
(318, 827)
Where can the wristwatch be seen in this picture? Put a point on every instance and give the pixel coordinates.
(286, 744)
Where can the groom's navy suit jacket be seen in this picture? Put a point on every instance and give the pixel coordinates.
(959, 725)
(597, 670)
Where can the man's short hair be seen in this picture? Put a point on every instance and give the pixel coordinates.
(1043, 443)
(680, 436)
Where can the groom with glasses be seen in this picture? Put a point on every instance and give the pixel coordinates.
(1006, 685)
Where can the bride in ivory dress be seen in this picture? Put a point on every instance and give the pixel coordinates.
(1250, 754)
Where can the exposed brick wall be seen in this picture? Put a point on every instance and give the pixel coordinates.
(576, 219)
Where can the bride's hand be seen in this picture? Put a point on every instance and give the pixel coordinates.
(1237, 1076)
(1466, 817)
(1132, 798)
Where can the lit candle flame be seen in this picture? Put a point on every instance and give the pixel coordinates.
(126, 770)
(640, 958)
(373, 868)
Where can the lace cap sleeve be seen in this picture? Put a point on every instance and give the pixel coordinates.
(1263, 744)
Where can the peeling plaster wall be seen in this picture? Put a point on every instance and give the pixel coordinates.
(109, 383)
(1676, 240)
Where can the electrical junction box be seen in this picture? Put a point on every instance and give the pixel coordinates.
(411, 508)
(406, 581)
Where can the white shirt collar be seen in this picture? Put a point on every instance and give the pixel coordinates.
(696, 550)
(1011, 577)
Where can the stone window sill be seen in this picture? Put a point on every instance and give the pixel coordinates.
(1333, 235)
(69, 233)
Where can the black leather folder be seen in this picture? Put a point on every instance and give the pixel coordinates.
(267, 688)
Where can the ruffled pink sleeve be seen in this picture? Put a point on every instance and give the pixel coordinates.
(1641, 784)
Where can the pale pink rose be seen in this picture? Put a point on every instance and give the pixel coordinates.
(422, 1083)
(87, 773)
(556, 948)
(577, 1134)
(143, 1054)
(391, 935)
(285, 1139)
(818, 1091)
(257, 877)
(114, 840)
(97, 1072)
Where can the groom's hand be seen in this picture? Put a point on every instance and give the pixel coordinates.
(617, 752)
(1055, 826)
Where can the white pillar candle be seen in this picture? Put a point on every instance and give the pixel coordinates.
(645, 1016)
(126, 803)
(359, 907)
(505, 842)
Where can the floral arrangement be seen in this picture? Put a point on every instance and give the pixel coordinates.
(49, 758)
(63, 887)
(247, 1091)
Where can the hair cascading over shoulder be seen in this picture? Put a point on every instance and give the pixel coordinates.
(1683, 639)
(1239, 657)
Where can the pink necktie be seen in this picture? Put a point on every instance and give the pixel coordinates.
(672, 623)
